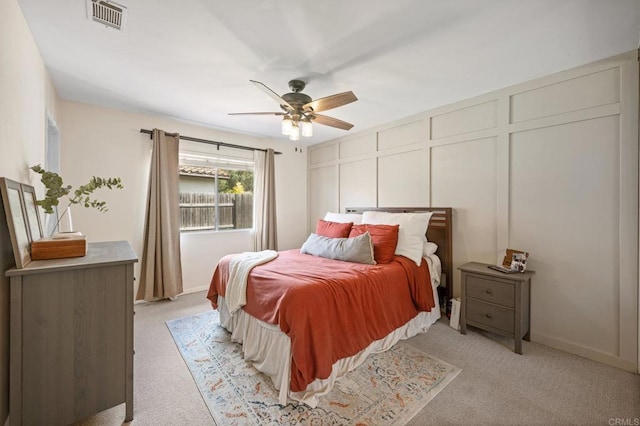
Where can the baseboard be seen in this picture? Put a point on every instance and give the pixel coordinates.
(187, 291)
(196, 289)
(585, 352)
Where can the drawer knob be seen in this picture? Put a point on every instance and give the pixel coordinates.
(488, 291)
(488, 315)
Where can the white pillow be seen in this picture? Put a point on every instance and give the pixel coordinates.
(411, 235)
(356, 218)
(429, 248)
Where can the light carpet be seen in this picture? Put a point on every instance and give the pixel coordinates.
(388, 388)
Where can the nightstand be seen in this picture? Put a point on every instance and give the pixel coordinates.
(496, 302)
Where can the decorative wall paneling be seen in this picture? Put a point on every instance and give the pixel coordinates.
(566, 96)
(322, 193)
(402, 135)
(465, 120)
(549, 166)
(402, 179)
(358, 183)
(464, 175)
(357, 146)
(564, 245)
(323, 154)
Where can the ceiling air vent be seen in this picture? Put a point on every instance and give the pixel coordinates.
(107, 13)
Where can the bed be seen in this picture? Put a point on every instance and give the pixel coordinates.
(308, 320)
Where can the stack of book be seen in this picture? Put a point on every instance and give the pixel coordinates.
(60, 245)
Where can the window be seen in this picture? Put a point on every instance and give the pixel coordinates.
(216, 192)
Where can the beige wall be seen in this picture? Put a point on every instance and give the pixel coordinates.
(27, 93)
(98, 141)
(549, 166)
(106, 142)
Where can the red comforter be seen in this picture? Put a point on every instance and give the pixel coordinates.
(330, 309)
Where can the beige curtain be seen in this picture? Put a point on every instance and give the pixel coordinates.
(160, 270)
(264, 199)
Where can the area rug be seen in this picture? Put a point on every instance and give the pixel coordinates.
(387, 389)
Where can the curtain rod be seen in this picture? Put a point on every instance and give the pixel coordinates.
(218, 144)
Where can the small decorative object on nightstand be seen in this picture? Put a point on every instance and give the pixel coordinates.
(496, 302)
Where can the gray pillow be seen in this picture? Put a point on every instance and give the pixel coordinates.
(358, 249)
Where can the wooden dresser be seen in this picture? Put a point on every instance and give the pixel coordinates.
(71, 337)
(496, 302)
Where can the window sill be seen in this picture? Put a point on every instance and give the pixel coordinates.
(211, 231)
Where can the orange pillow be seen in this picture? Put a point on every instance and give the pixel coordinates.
(384, 238)
(333, 229)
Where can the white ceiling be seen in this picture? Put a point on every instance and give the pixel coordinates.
(193, 59)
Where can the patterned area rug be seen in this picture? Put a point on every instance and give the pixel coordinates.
(388, 388)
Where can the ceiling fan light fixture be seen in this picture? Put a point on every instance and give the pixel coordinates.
(299, 111)
(287, 124)
(294, 135)
(306, 128)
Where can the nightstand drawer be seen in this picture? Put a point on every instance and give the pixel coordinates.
(490, 315)
(490, 290)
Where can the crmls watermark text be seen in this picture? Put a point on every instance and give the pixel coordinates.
(617, 421)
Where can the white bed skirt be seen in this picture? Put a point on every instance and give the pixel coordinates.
(269, 350)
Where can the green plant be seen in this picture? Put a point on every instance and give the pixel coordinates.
(81, 196)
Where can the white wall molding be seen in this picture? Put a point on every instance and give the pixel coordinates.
(549, 165)
(585, 352)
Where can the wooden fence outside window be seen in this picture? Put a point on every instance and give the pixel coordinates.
(198, 211)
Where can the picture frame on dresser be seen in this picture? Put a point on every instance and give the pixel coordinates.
(31, 212)
(14, 209)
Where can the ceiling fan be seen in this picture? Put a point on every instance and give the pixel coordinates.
(299, 110)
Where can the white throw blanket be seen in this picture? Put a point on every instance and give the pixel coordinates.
(239, 267)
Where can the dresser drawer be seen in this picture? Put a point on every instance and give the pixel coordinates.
(490, 315)
(490, 290)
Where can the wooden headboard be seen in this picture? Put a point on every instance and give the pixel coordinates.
(440, 232)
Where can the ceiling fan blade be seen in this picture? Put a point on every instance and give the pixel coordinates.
(330, 121)
(329, 102)
(256, 113)
(271, 93)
